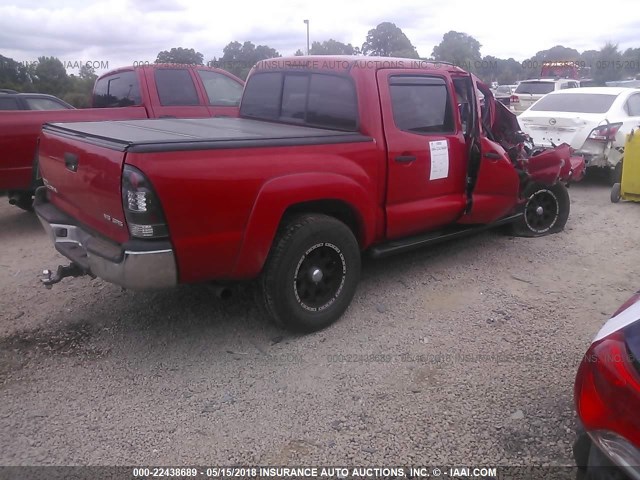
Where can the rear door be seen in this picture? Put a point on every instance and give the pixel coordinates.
(174, 94)
(426, 152)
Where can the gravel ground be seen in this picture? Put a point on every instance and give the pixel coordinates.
(460, 354)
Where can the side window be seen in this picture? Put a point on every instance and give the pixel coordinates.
(421, 104)
(8, 104)
(221, 90)
(117, 90)
(175, 87)
(633, 105)
(44, 104)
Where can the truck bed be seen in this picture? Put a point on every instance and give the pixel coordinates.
(160, 135)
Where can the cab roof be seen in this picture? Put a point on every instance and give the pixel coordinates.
(352, 62)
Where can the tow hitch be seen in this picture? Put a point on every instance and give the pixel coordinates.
(72, 270)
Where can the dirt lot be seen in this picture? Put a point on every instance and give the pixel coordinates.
(460, 354)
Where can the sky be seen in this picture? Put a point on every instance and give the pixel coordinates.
(115, 33)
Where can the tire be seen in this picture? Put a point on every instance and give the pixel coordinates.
(615, 174)
(616, 193)
(311, 274)
(546, 211)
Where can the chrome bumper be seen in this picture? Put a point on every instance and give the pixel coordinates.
(135, 269)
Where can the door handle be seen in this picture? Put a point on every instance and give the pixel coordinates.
(71, 161)
(405, 158)
(492, 155)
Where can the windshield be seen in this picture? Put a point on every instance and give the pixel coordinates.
(575, 103)
(504, 89)
(536, 88)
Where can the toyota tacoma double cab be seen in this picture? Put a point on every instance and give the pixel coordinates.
(149, 91)
(330, 157)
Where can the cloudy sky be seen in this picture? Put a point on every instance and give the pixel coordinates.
(123, 31)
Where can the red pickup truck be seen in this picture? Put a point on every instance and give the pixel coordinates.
(331, 157)
(151, 91)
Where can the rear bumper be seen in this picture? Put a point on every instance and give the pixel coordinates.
(135, 265)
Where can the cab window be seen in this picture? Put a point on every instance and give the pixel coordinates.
(421, 104)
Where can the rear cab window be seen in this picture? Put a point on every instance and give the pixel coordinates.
(421, 104)
(313, 99)
(119, 89)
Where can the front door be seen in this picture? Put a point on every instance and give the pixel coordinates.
(493, 180)
(426, 152)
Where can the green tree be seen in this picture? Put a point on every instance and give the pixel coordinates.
(186, 56)
(608, 65)
(298, 53)
(458, 48)
(332, 47)
(50, 76)
(14, 75)
(388, 40)
(239, 58)
(631, 62)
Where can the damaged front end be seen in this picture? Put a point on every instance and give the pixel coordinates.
(544, 165)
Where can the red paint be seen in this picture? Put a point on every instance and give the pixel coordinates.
(223, 207)
(19, 130)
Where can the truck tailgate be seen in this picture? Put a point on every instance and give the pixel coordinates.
(83, 180)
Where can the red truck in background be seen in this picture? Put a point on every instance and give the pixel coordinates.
(150, 91)
(331, 157)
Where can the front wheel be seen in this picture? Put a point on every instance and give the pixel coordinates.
(546, 210)
(311, 274)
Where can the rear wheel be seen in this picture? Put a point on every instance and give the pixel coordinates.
(616, 193)
(546, 210)
(311, 274)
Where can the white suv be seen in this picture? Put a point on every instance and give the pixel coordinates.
(530, 91)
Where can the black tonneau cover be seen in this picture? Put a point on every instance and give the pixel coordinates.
(168, 134)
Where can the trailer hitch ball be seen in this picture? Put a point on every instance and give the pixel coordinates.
(49, 278)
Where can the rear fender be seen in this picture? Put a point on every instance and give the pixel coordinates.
(278, 194)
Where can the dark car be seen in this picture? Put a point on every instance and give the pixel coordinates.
(607, 398)
(12, 100)
(503, 94)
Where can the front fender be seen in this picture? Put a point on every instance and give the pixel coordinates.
(280, 193)
(554, 164)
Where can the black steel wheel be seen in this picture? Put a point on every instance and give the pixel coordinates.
(546, 210)
(311, 274)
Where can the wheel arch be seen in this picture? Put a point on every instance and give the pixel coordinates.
(283, 198)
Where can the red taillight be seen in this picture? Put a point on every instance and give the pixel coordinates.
(607, 389)
(605, 133)
(142, 208)
(514, 99)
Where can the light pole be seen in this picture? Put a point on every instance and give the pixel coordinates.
(307, 22)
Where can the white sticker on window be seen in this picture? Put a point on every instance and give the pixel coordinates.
(439, 159)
